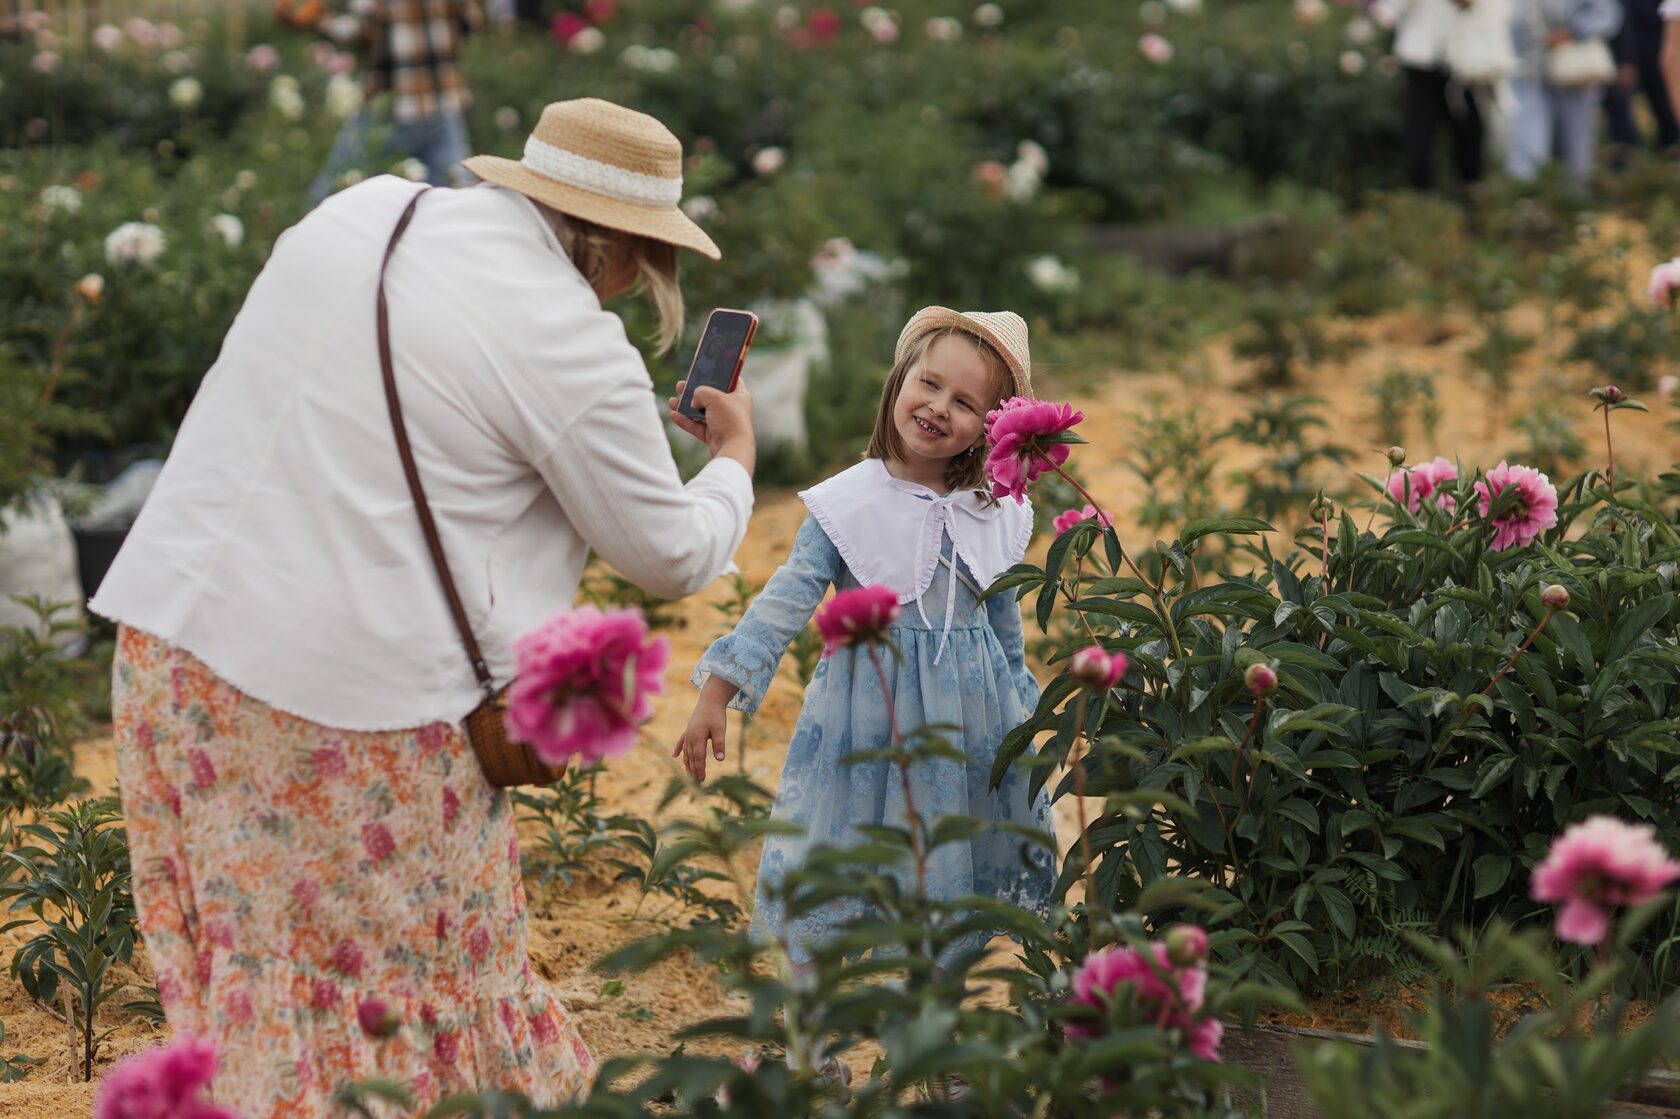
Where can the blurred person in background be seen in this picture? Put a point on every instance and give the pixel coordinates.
(1669, 12)
(1637, 48)
(1424, 39)
(410, 51)
(1557, 113)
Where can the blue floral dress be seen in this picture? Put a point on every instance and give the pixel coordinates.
(979, 685)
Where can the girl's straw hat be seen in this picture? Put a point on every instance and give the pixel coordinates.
(1004, 330)
(606, 164)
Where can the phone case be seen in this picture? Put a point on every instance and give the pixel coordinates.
(685, 406)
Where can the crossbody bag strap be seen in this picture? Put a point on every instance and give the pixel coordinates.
(422, 508)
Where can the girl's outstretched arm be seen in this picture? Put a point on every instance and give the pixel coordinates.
(736, 671)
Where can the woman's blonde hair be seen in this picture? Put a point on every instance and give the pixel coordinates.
(967, 470)
(598, 252)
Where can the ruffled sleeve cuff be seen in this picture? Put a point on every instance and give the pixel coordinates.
(748, 664)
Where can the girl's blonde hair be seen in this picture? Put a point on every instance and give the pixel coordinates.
(597, 252)
(967, 470)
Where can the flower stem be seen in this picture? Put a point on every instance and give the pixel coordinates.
(1610, 451)
(913, 819)
(1078, 764)
(1242, 747)
(57, 367)
(1469, 708)
(1161, 611)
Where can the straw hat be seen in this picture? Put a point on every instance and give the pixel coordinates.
(1005, 330)
(606, 164)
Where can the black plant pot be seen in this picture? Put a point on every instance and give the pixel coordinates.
(95, 549)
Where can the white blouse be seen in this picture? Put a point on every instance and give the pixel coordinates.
(280, 545)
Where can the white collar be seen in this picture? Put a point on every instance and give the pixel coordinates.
(888, 530)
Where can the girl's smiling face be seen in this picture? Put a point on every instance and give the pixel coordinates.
(941, 407)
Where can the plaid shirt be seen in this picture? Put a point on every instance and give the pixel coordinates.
(411, 49)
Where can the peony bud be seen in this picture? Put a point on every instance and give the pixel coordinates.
(1187, 945)
(90, 287)
(377, 1018)
(1097, 669)
(1321, 509)
(1554, 596)
(1260, 679)
(1396, 455)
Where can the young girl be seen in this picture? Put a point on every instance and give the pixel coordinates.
(912, 516)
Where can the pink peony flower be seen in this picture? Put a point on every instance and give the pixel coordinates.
(161, 1083)
(1421, 483)
(1596, 866)
(565, 27)
(262, 58)
(1668, 385)
(1018, 431)
(823, 26)
(1171, 996)
(586, 680)
(1665, 280)
(1067, 520)
(1260, 679)
(1187, 944)
(1532, 504)
(1097, 668)
(859, 616)
(1155, 48)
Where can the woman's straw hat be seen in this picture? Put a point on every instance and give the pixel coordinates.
(1004, 330)
(606, 164)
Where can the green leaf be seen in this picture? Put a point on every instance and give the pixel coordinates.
(1490, 872)
(1231, 526)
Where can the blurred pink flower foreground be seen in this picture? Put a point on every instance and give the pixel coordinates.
(1421, 483)
(162, 1083)
(1170, 995)
(1665, 280)
(1534, 509)
(1597, 866)
(586, 680)
(1018, 431)
(859, 616)
(1071, 517)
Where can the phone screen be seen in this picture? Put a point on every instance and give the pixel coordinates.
(717, 359)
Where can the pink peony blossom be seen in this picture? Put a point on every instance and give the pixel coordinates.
(1067, 520)
(1171, 996)
(1017, 431)
(1422, 483)
(565, 27)
(1155, 48)
(823, 26)
(262, 58)
(586, 680)
(1187, 944)
(1260, 679)
(859, 616)
(1097, 668)
(161, 1083)
(1665, 281)
(1533, 509)
(1596, 866)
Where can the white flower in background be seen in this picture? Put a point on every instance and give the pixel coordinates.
(1048, 273)
(1021, 181)
(988, 15)
(1360, 31)
(90, 288)
(1667, 386)
(134, 242)
(1032, 153)
(285, 97)
(1351, 63)
(1311, 13)
(246, 179)
(168, 36)
(344, 95)
(143, 31)
(1186, 7)
(590, 40)
(1382, 14)
(44, 62)
(944, 29)
(262, 58)
(700, 208)
(107, 37)
(66, 199)
(186, 93)
(787, 17)
(507, 118)
(736, 7)
(413, 170)
(1155, 48)
(880, 24)
(768, 161)
(229, 228)
(176, 62)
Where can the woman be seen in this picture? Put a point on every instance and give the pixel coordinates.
(1424, 31)
(309, 827)
(1550, 116)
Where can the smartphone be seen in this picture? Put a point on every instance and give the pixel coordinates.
(718, 357)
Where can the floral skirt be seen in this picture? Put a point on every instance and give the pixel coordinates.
(285, 871)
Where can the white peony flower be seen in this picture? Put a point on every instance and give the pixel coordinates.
(788, 17)
(1351, 63)
(175, 62)
(64, 198)
(413, 170)
(286, 97)
(988, 15)
(590, 40)
(344, 95)
(1021, 181)
(134, 242)
(768, 161)
(44, 62)
(1186, 7)
(1033, 155)
(229, 228)
(1360, 31)
(246, 179)
(944, 29)
(186, 93)
(1311, 13)
(1048, 273)
(107, 37)
(700, 208)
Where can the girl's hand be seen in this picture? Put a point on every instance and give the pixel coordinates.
(708, 724)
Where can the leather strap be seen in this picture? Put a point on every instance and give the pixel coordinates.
(422, 508)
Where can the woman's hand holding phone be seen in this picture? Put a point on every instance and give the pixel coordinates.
(727, 429)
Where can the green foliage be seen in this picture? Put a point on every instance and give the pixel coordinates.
(1400, 396)
(573, 831)
(1288, 434)
(1434, 726)
(1468, 1064)
(1173, 457)
(1280, 337)
(1552, 446)
(77, 866)
(604, 588)
(17, 1066)
(1628, 350)
(42, 690)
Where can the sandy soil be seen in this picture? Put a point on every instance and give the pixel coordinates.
(573, 926)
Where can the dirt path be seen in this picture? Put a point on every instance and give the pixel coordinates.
(571, 927)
